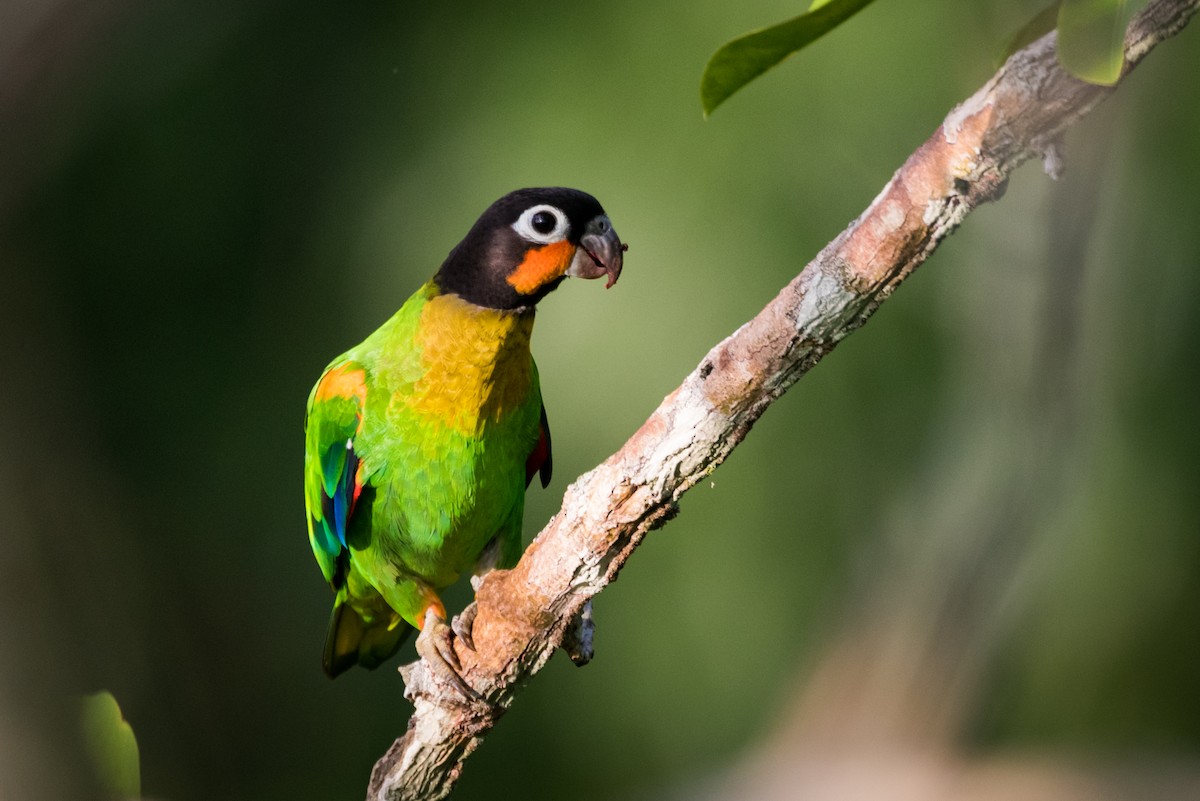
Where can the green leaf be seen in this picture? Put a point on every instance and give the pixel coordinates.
(1091, 37)
(110, 744)
(743, 59)
(1033, 30)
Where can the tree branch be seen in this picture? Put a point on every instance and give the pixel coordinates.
(529, 611)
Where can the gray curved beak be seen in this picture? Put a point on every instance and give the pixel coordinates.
(600, 252)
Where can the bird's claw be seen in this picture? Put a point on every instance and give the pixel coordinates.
(464, 625)
(435, 644)
(464, 622)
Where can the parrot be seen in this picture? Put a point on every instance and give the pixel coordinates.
(421, 441)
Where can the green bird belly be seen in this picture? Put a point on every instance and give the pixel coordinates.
(455, 494)
(452, 417)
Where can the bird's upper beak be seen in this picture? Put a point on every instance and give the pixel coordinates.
(600, 252)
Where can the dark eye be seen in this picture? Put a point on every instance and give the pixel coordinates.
(543, 222)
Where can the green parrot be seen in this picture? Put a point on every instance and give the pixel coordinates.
(421, 441)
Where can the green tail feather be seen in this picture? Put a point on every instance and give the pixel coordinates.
(353, 641)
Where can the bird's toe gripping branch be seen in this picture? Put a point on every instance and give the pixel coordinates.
(463, 625)
(435, 644)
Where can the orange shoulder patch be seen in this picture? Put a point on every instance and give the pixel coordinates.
(344, 381)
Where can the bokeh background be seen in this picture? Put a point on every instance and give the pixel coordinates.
(961, 553)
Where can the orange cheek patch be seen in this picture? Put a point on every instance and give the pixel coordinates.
(541, 266)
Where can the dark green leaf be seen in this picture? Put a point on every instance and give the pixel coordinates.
(1033, 30)
(743, 59)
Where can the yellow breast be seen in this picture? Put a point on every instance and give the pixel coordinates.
(477, 363)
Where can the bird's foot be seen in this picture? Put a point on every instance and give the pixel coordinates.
(435, 644)
(464, 624)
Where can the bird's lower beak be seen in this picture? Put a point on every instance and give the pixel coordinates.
(600, 252)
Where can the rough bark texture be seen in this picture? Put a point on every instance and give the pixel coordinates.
(526, 613)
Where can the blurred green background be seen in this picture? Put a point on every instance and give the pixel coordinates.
(979, 515)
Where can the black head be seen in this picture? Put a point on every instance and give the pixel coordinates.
(526, 243)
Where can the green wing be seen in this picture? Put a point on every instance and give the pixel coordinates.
(333, 474)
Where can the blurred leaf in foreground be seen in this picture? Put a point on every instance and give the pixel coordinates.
(741, 60)
(109, 742)
(1091, 37)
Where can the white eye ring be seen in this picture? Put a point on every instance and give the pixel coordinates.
(525, 224)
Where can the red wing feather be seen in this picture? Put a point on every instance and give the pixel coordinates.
(540, 460)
